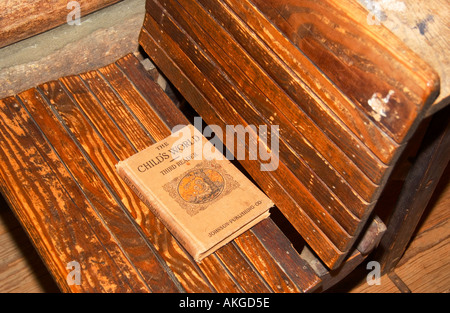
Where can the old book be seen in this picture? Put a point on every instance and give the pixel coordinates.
(199, 195)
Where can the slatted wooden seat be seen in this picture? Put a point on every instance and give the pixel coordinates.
(60, 143)
(61, 140)
(346, 96)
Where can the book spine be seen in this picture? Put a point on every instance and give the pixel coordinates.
(150, 200)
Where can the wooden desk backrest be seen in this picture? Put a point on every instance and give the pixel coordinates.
(346, 96)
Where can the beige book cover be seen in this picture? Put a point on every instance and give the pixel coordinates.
(200, 196)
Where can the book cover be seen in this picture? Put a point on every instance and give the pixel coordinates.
(199, 195)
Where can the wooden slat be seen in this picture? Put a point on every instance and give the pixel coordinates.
(85, 161)
(219, 274)
(264, 263)
(150, 91)
(273, 188)
(105, 157)
(306, 280)
(237, 68)
(23, 19)
(364, 129)
(292, 84)
(81, 126)
(266, 97)
(244, 274)
(307, 201)
(338, 39)
(284, 254)
(289, 138)
(135, 105)
(48, 201)
(304, 199)
(104, 126)
(368, 242)
(111, 102)
(153, 125)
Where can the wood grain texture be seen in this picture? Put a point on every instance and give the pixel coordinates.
(305, 100)
(21, 269)
(290, 139)
(23, 19)
(111, 146)
(237, 65)
(284, 254)
(428, 251)
(184, 268)
(75, 130)
(49, 220)
(367, 243)
(272, 187)
(338, 39)
(307, 201)
(423, 267)
(309, 280)
(176, 118)
(301, 219)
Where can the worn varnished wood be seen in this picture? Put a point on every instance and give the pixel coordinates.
(175, 118)
(373, 138)
(80, 126)
(295, 213)
(273, 188)
(264, 263)
(50, 202)
(116, 147)
(333, 35)
(305, 200)
(237, 68)
(290, 139)
(367, 243)
(85, 172)
(423, 268)
(285, 256)
(305, 100)
(306, 280)
(190, 277)
(23, 19)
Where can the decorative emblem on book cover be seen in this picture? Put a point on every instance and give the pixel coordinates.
(203, 185)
